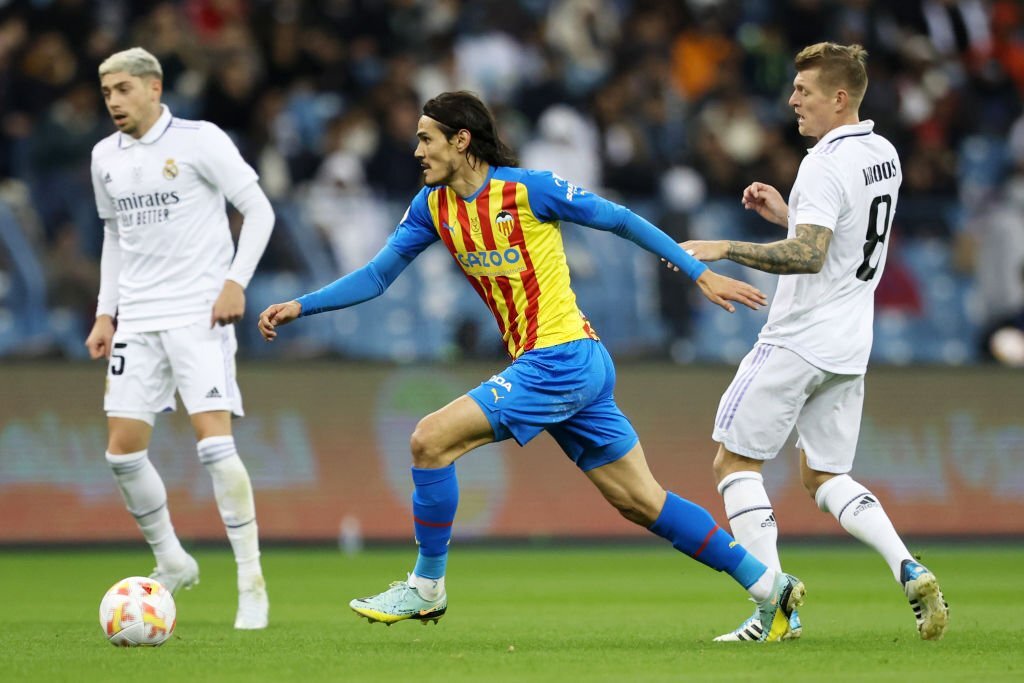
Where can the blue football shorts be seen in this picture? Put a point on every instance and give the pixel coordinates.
(567, 391)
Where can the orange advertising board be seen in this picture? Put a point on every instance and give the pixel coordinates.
(326, 442)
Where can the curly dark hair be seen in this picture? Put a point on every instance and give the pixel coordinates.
(455, 111)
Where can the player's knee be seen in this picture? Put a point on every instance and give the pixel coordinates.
(127, 441)
(638, 514)
(726, 463)
(419, 446)
(812, 480)
(427, 447)
(719, 467)
(635, 508)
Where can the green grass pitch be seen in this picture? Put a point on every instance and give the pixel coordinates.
(615, 613)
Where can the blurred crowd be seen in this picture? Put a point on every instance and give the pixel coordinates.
(667, 103)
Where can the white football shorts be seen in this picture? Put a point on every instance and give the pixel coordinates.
(147, 367)
(776, 390)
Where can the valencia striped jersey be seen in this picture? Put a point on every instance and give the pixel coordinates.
(506, 239)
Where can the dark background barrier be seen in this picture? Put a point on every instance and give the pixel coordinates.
(326, 442)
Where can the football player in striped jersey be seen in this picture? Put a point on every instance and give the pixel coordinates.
(501, 224)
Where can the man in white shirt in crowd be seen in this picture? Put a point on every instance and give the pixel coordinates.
(807, 369)
(175, 285)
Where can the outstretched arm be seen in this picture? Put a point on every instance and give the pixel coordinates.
(553, 198)
(628, 225)
(361, 285)
(718, 289)
(804, 253)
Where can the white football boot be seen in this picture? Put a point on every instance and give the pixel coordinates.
(253, 605)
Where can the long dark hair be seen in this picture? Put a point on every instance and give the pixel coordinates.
(459, 110)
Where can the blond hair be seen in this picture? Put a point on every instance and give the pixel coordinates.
(840, 67)
(135, 61)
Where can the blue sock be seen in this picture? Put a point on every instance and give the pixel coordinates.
(434, 501)
(692, 531)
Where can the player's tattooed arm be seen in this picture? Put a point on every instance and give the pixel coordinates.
(804, 253)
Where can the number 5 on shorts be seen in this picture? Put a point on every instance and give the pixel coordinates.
(117, 366)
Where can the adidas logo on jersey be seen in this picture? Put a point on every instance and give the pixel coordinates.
(770, 522)
(107, 178)
(213, 393)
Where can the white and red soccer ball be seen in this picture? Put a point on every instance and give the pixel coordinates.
(137, 611)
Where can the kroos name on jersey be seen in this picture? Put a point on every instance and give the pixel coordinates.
(882, 171)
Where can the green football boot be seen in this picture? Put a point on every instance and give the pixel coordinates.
(750, 630)
(400, 602)
(774, 612)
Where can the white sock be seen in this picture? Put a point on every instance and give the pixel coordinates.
(761, 589)
(751, 517)
(233, 491)
(860, 513)
(429, 589)
(146, 498)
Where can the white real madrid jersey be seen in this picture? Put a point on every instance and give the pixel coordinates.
(166, 192)
(848, 183)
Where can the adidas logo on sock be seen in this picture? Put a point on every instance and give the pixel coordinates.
(213, 393)
(769, 522)
(864, 503)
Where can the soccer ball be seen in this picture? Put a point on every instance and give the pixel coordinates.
(137, 611)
